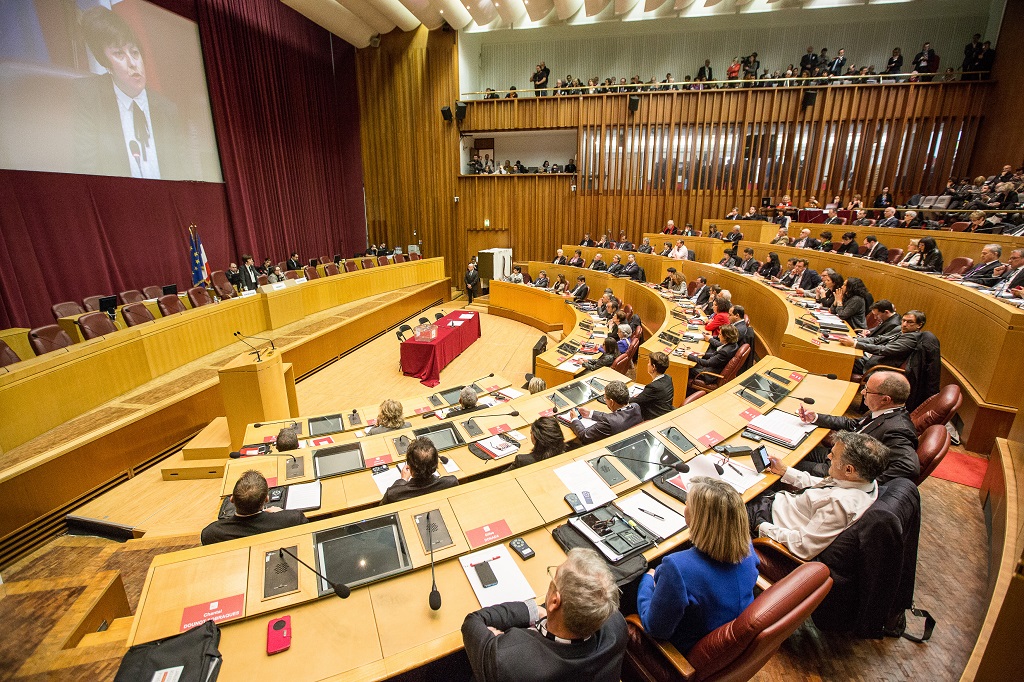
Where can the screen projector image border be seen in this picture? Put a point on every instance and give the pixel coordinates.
(61, 107)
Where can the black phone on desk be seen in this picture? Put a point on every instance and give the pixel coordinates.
(486, 574)
(760, 458)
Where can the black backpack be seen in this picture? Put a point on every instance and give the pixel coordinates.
(193, 651)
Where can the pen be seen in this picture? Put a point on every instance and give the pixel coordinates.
(485, 561)
(733, 467)
(650, 513)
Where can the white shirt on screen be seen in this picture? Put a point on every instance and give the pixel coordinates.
(149, 166)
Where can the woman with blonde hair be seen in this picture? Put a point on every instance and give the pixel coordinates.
(695, 591)
(389, 418)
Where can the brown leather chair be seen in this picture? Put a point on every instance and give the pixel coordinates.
(415, 256)
(938, 409)
(932, 446)
(895, 255)
(331, 269)
(623, 364)
(153, 292)
(91, 303)
(959, 226)
(741, 647)
(309, 272)
(324, 260)
(262, 279)
(94, 325)
(711, 381)
(66, 309)
(169, 305)
(291, 274)
(351, 266)
(527, 279)
(221, 285)
(7, 354)
(862, 250)
(399, 257)
(48, 339)
(383, 260)
(959, 266)
(131, 296)
(628, 309)
(136, 313)
(696, 395)
(198, 297)
(691, 288)
(368, 263)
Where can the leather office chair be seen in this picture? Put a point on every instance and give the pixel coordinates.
(527, 279)
(66, 309)
(48, 339)
(94, 325)
(623, 364)
(895, 255)
(741, 647)
(331, 269)
(399, 258)
(91, 303)
(324, 260)
(959, 226)
(7, 355)
(221, 285)
(283, 265)
(711, 381)
(169, 305)
(938, 409)
(367, 263)
(131, 296)
(691, 288)
(291, 274)
(383, 260)
(262, 279)
(350, 266)
(309, 272)
(628, 309)
(153, 292)
(932, 446)
(415, 256)
(136, 313)
(959, 266)
(633, 350)
(198, 297)
(696, 395)
(862, 250)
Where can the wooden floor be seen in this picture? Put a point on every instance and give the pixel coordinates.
(40, 591)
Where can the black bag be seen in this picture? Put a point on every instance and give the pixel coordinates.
(194, 651)
(625, 571)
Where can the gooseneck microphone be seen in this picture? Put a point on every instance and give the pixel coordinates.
(773, 375)
(238, 335)
(807, 401)
(235, 454)
(435, 596)
(340, 589)
(681, 467)
(476, 388)
(258, 338)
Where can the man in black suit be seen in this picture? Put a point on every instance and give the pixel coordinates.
(250, 278)
(623, 415)
(579, 633)
(234, 276)
(472, 280)
(586, 241)
(705, 72)
(833, 218)
(656, 398)
(249, 497)
(806, 241)
(616, 267)
(419, 476)
(893, 351)
(581, 291)
(888, 326)
(889, 218)
(702, 294)
(749, 264)
(598, 263)
(809, 61)
(734, 236)
(876, 251)
(804, 277)
(984, 272)
(737, 318)
(293, 262)
(1011, 275)
(631, 269)
(885, 396)
(625, 244)
(835, 67)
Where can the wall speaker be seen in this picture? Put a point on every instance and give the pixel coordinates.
(634, 103)
(446, 113)
(460, 111)
(810, 97)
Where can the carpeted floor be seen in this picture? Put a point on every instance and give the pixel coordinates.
(959, 466)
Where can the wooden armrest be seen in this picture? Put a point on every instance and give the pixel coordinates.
(710, 374)
(776, 561)
(772, 545)
(671, 654)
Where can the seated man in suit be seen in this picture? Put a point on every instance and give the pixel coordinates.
(702, 294)
(578, 634)
(983, 273)
(631, 269)
(862, 218)
(806, 241)
(889, 218)
(624, 243)
(735, 236)
(234, 276)
(749, 264)
(419, 476)
(586, 241)
(656, 398)
(888, 326)
(1011, 275)
(876, 251)
(646, 247)
(581, 291)
(666, 249)
(885, 396)
(804, 277)
(786, 279)
(603, 243)
(598, 263)
(616, 267)
(807, 521)
(293, 262)
(249, 496)
(623, 415)
(781, 237)
(892, 352)
(542, 281)
(833, 218)
(737, 318)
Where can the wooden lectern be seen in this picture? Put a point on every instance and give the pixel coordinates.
(257, 391)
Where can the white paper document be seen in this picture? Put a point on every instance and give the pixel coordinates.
(511, 393)
(466, 316)
(456, 323)
(781, 425)
(450, 466)
(660, 520)
(738, 476)
(571, 365)
(386, 478)
(512, 584)
(581, 479)
(303, 496)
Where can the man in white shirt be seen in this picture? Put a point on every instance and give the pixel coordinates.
(1011, 275)
(807, 521)
(679, 251)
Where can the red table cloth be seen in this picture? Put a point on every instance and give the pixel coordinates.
(426, 359)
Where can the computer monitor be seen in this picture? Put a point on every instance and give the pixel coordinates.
(108, 305)
(170, 290)
(337, 258)
(337, 460)
(444, 437)
(577, 392)
(451, 396)
(330, 423)
(313, 262)
(651, 452)
(764, 388)
(359, 553)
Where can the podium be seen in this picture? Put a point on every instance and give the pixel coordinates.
(257, 391)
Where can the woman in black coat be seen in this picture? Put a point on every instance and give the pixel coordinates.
(716, 359)
(851, 303)
(771, 267)
(931, 257)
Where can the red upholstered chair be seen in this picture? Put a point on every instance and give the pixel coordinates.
(399, 257)
(48, 339)
(415, 256)
(331, 269)
(741, 647)
(136, 313)
(931, 448)
(169, 305)
(324, 260)
(131, 296)
(862, 249)
(709, 381)
(527, 279)
(309, 272)
(959, 226)
(262, 279)
(351, 266)
(383, 260)
(283, 265)
(959, 266)
(153, 292)
(94, 325)
(66, 309)
(368, 263)
(938, 409)
(291, 274)
(696, 395)
(623, 364)
(895, 255)
(7, 354)
(628, 309)
(198, 297)
(91, 303)
(221, 285)
(691, 288)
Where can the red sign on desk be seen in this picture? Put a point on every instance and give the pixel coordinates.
(272, 481)
(492, 532)
(421, 410)
(492, 389)
(711, 438)
(501, 428)
(218, 611)
(548, 412)
(374, 461)
(317, 442)
(750, 413)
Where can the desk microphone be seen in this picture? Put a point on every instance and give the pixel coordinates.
(238, 455)
(255, 350)
(807, 401)
(771, 373)
(513, 413)
(435, 596)
(340, 589)
(259, 338)
(681, 467)
(477, 388)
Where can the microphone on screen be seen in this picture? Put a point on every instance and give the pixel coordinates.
(340, 589)
(435, 595)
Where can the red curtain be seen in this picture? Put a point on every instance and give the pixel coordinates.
(283, 95)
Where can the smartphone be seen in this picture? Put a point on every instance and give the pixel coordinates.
(760, 458)
(486, 574)
(279, 634)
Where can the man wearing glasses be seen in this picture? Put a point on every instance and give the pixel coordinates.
(577, 634)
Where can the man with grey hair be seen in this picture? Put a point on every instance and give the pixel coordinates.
(1011, 275)
(807, 521)
(891, 351)
(984, 272)
(623, 415)
(889, 218)
(578, 633)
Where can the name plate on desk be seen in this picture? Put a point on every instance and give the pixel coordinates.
(218, 611)
(249, 292)
(492, 532)
(277, 286)
(300, 280)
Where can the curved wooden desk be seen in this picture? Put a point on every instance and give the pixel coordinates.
(387, 627)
